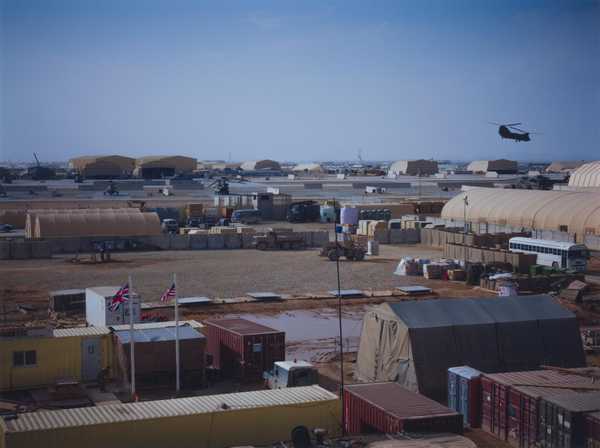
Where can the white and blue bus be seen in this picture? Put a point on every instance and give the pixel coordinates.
(558, 254)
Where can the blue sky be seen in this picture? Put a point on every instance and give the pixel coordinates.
(305, 80)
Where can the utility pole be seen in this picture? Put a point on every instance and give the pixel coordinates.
(339, 289)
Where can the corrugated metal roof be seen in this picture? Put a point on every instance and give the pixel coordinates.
(480, 311)
(577, 402)
(159, 334)
(465, 371)
(80, 331)
(537, 383)
(45, 420)
(397, 401)
(151, 325)
(242, 326)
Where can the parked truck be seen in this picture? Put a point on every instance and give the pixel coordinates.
(273, 239)
(304, 211)
(349, 249)
(291, 374)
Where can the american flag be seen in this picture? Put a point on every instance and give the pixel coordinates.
(168, 294)
(121, 296)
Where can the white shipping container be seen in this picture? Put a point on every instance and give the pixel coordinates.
(97, 312)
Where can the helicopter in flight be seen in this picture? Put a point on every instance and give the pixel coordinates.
(508, 131)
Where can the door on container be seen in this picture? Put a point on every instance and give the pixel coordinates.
(91, 359)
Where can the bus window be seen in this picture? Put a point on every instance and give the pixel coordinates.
(577, 253)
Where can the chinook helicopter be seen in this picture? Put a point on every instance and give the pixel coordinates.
(507, 131)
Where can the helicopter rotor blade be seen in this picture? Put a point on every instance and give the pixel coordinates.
(494, 123)
(512, 124)
(517, 129)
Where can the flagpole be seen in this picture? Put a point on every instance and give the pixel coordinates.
(177, 376)
(131, 338)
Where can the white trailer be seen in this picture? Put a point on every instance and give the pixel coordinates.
(98, 313)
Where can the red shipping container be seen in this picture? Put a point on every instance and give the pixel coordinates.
(390, 408)
(510, 402)
(592, 430)
(243, 349)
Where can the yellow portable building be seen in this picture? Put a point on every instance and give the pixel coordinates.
(210, 421)
(39, 360)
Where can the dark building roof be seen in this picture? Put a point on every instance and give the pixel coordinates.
(158, 334)
(242, 326)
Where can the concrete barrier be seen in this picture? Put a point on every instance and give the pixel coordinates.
(232, 241)
(20, 250)
(216, 241)
(162, 242)
(382, 236)
(404, 236)
(198, 242)
(41, 249)
(4, 250)
(319, 238)
(247, 241)
(179, 242)
(308, 238)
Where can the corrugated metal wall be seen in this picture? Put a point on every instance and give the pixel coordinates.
(258, 426)
(56, 357)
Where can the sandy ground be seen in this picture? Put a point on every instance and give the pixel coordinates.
(225, 273)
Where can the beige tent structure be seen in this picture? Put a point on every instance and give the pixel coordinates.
(413, 167)
(564, 166)
(30, 220)
(574, 212)
(586, 176)
(415, 342)
(160, 166)
(96, 224)
(500, 166)
(104, 167)
(308, 168)
(255, 165)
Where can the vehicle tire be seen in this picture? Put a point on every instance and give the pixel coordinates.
(286, 246)
(261, 245)
(555, 265)
(359, 255)
(333, 255)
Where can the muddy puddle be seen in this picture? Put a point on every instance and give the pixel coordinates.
(312, 335)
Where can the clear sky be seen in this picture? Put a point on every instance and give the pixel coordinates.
(302, 80)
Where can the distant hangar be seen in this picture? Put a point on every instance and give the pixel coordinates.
(413, 168)
(103, 167)
(156, 167)
(256, 165)
(500, 166)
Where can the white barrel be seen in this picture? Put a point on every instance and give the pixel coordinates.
(349, 215)
(373, 247)
(507, 289)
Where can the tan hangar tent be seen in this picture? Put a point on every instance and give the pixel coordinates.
(575, 212)
(96, 224)
(586, 176)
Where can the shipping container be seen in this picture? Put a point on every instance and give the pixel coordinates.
(592, 430)
(257, 418)
(390, 408)
(243, 349)
(464, 394)
(510, 402)
(561, 419)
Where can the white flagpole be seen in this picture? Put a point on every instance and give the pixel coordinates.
(131, 338)
(177, 376)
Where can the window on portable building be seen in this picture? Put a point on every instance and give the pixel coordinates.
(24, 358)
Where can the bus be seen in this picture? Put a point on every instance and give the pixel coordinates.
(558, 254)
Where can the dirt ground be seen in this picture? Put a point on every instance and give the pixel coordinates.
(215, 274)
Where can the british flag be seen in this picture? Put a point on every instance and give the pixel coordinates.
(168, 294)
(121, 296)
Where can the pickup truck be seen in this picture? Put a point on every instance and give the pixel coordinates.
(291, 374)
